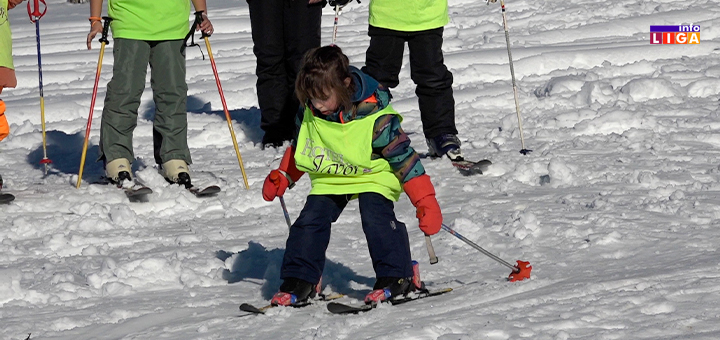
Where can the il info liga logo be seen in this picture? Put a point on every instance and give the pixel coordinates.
(680, 34)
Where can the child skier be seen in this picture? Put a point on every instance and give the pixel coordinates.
(7, 70)
(351, 144)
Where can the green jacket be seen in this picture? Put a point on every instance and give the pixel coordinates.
(409, 15)
(5, 37)
(151, 20)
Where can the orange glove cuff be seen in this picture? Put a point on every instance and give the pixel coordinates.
(288, 167)
(4, 126)
(418, 188)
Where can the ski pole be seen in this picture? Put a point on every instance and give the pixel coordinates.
(274, 177)
(103, 41)
(523, 151)
(35, 15)
(520, 271)
(338, 8)
(198, 20)
(285, 212)
(335, 24)
(430, 249)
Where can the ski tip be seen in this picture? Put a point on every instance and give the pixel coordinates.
(206, 191)
(246, 307)
(468, 168)
(341, 308)
(143, 191)
(6, 198)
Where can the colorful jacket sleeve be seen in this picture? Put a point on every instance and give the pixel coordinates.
(393, 144)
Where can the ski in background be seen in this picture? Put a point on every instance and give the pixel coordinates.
(134, 190)
(209, 190)
(465, 167)
(6, 198)
(469, 168)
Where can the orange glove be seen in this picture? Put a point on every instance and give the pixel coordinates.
(283, 177)
(422, 195)
(4, 126)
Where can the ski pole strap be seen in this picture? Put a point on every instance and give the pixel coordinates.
(191, 34)
(35, 13)
(106, 28)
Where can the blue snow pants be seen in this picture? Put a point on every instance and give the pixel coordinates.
(309, 237)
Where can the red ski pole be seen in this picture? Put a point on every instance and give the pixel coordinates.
(198, 20)
(103, 41)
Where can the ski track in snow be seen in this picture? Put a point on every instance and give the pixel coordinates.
(616, 208)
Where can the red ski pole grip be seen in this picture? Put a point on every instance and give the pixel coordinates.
(34, 10)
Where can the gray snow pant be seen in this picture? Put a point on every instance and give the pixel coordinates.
(167, 79)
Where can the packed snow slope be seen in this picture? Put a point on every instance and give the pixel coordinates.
(616, 208)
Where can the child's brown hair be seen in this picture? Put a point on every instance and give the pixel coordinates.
(324, 70)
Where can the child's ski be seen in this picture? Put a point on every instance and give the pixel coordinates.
(340, 308)
(246, 307)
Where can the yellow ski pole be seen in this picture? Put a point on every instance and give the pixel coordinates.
(103, 41)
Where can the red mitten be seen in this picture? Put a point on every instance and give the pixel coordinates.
(422, 195)
(282, 178)
(275, 185)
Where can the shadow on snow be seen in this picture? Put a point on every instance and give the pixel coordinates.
(257, 262)
(65, 152)
(247, 120)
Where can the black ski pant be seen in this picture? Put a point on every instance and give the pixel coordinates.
(282, 31)
(433, 81)
(309, 237)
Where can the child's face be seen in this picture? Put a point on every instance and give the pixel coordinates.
(326, 106)
(331, 103)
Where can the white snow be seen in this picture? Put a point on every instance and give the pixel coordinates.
(616, 208)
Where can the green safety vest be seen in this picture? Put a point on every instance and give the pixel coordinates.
(337, 157)
(5, 37)
(409, 15)
(152, 20)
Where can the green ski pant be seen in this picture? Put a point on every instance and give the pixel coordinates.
(167, 80)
